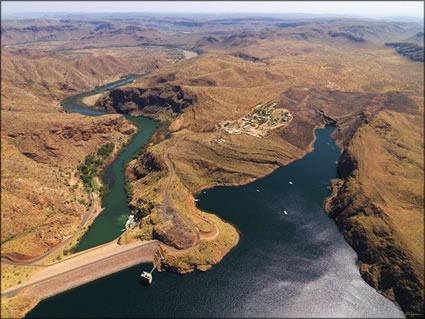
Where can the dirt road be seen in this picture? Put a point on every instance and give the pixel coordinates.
(93, 211)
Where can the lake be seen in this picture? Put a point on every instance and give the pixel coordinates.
(294, 265)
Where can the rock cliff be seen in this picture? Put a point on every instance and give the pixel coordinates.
(133, 100)
(371, 216)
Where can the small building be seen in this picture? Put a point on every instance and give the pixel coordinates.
(131, 223)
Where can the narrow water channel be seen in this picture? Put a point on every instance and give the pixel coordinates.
(112, 220)
(294, 265)
(108, 225)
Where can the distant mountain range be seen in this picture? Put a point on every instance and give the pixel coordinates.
(121, 15)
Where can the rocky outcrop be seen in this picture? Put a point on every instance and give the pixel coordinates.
(46, 144)
(146, 164)
(35, 29)
(130, 100)
(327, 119)
(79, 133)
(290, 25)
(245, 57)
(410, 50)
(243, 39)
(346, 35)
(141, 208)
(176, 234)
(346, 165)
(347, 110)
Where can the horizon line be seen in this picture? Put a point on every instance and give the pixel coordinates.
(207, 13)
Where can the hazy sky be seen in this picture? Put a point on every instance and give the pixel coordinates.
(363, 8)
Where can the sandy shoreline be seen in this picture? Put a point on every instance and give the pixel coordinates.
(91, 99)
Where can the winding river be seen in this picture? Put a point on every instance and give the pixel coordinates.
(294, 265)
(108, 225)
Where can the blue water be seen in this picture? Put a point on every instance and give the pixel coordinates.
(284, 266)
(73, 103)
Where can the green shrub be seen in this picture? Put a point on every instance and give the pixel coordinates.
(92, 162)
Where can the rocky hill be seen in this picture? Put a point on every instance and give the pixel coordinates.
(378, 205)
(33, 81)
(82, 32)
(143, 101)
(335, 32)
(42, 200)
(413, 51)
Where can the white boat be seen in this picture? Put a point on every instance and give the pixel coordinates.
(146, 277)
(290, 182)
(285, 212)
(123, 229)
(196, 200)
(258, 190)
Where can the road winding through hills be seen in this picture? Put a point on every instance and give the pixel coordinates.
(167, 204)
(94, 209)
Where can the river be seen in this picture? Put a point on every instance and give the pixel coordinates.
(108, 225)
(295, 265)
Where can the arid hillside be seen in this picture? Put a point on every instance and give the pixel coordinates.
(224, 87)
(379, 204)
(349, 34)
(43, 201)
(31, 80)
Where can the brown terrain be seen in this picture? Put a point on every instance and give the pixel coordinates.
(336, 71)
(35, 81)
(44, 203)
(41, 197)
(385, 157)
